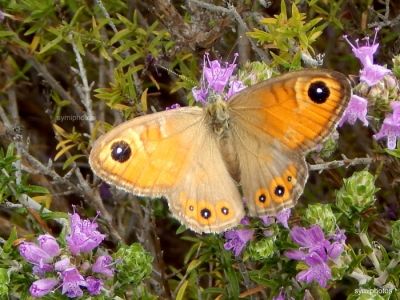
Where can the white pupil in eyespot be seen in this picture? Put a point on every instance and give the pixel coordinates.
(319, 90)
(119, 150)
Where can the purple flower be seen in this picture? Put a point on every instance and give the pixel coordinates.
(217, 76)
(72, 281)
(49, 244)
(316, 251)
(62, 264)
(235, 86)
(237, 240)
(84, 236)
(215, 79)
(391, 126)
(282, 217)
(103, 265)
(94, 285)
(42, 287)
(312, 238)
(371, 73)
(356, 110)
(318, 270)
(42, 255)
(34, 254)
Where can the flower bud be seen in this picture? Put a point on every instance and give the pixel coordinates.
(322, 215)
(49, 244)
(357, 193)
(42, 287)
(261, 250)
(135, 265)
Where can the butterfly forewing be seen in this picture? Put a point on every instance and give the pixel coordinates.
(298, 109)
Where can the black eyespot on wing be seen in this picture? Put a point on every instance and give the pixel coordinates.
(205, 213)
(262, 198)
(279, 190)
(225, 210)
(289, 178)
(318, 92)
(120, 151)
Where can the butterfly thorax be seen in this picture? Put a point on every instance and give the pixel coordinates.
(218, 116)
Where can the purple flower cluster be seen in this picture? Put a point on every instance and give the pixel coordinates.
(54, 267)
(370, 73)
(317, 252)
(215, 79)
(281, 217)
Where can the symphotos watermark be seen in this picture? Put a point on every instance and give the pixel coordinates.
(74, 118)
(374, 291)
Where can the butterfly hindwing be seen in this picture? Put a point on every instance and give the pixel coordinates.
(271, 177)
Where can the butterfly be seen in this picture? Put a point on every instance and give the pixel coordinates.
(217, 163)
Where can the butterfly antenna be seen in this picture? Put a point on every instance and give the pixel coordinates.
(180, 76)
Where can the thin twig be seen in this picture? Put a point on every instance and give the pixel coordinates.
(84, 89)
(107, 15)
(372, 256)
(347, 162)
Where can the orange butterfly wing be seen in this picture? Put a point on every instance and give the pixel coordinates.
(172, 154)
(274, 123)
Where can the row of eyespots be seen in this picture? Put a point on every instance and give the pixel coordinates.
(205, 212)
(279, 189)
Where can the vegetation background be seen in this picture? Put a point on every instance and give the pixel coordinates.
(72, 69)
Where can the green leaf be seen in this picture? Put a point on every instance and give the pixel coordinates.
(120, 35)
(193, 265)
(36, 189)
(71, 159)
(4, 33)
(8, 246)
(51, 44)
(182, 289)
